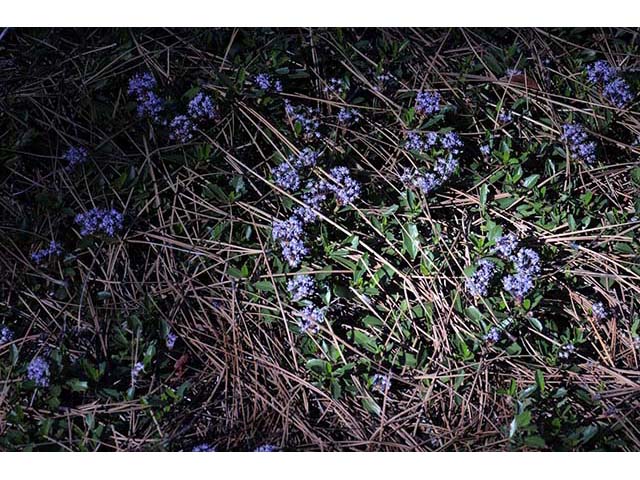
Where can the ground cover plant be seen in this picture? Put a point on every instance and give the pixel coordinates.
(319, 239)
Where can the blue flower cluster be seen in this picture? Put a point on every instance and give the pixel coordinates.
(566, 351)
(286, 176)
(306, 117)
(382, 80)
(478, 284)
(203, 447)
(264, 82)
(267, 448)
(527, 265)
(421, 142)
(135, 372)
(201, 108)
(313, 197)
(598, 311)
(38, 371)
(505, 116)
(506, 245)
(428, 182)
(6, 335)
(614, 88)
(578, 141)
(170, 341)
(493, 335)
(301, 287)
(380, 382)
(142, 87)
(76, 156)
(447, 145)
(97, 220)
(289, 234)
(512, 72)
(335, 85)
(310, 319)
(348, 116)
(54, 248)
(427, 102)
(182, 129)
(346, 189)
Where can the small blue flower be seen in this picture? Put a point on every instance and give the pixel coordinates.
(170, 341)
(478, 284)
(310, 319)
(267, 448)
(527, 265)
(98, 220)
(53, 249)
(203, 447)
(451, 142)
(150, 106)
(601, 72)
(505, 116)
(201, 107)
(306, 117)
(313, 197)
(262, 81)
(618, 92)
(335, 85)
(427, 183)
(614, 88)
(6, 335)
(141, 83)
(598, 311)
(427, 103)
(286, 177)
(182, 129)
(76, 156)
(506, 245)
(38, 372)
(493, 336)
(566, 351)
(485, 150)
(135, 371)
(527, 261)
(380, 382)
(347, 189)
(305, 159)
(301, 287)
(348, 116)
(289, 234)
(518, 285)
(511, 72)
(578, 141)
(446, 167)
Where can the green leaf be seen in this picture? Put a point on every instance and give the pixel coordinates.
(77, 385)
(535, 441)
(319, 366)
(531, 180)
(484, 191)
(540, 380)
(410, 240)
(524, 419)
(264, 286)
(371, 406)
(365, 341)
(474, 314)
